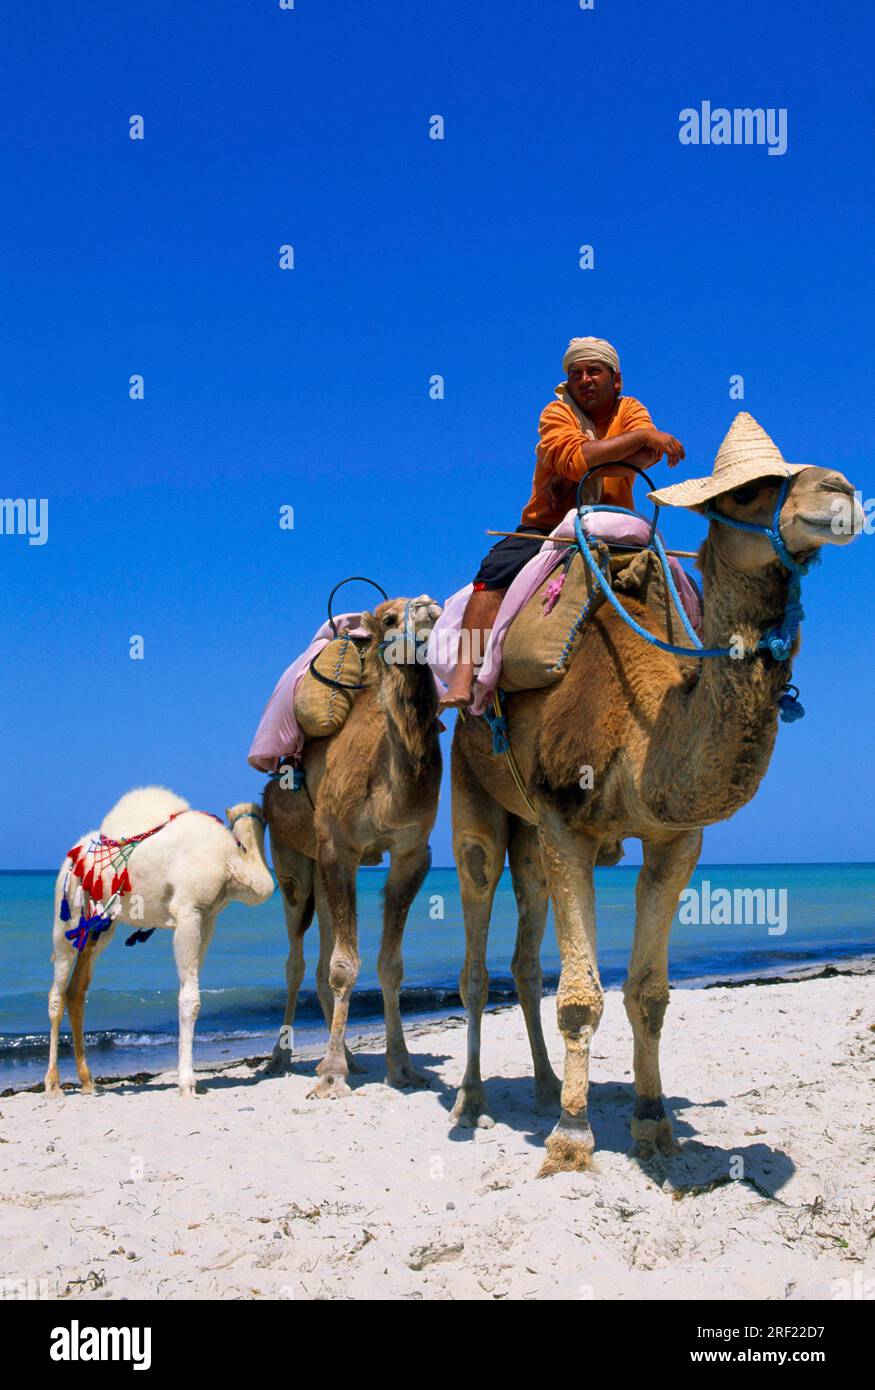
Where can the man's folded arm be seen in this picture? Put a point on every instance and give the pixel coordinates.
(565, 452)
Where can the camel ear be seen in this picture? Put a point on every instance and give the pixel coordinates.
(228, 810)
(371, 625)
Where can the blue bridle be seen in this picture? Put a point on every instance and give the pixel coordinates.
(408, 634)
(778, 641)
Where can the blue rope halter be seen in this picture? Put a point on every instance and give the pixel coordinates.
(299, 781)
(778, 641)
(498, 728)
(409, 634)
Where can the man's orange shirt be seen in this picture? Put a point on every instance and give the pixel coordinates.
(560, 461)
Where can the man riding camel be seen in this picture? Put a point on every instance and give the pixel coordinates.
(591, 423)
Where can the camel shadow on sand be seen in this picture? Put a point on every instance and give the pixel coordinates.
(372, 1065)
(698, 1167)
(372, 1072)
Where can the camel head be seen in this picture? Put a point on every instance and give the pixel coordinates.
(388, 620)
(820, 508)
(252, 879)
(246, 821)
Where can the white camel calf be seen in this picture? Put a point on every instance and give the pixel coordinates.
(154, 862)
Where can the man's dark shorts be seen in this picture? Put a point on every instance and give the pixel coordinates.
(505, 560)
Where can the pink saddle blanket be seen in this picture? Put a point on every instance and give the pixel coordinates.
(279, 735)
(444, 641)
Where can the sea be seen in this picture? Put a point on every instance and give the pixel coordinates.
(808, 917)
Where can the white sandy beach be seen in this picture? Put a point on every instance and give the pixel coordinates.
(252, 1191)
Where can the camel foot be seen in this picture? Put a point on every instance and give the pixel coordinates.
(470, 1111)
(279, 1063)
(330, 1087)
(88, 1088)
(52, 1084)
(189, 1087)
(403, 1076)
(569, 1148)
(652, 1137)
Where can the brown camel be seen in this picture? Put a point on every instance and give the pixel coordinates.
(371, 789)
(673, 745)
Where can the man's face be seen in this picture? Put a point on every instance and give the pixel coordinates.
(594, 386)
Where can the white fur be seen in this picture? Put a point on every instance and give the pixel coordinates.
(181, 878)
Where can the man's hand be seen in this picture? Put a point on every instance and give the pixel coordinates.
(662, 443)
(643, 446)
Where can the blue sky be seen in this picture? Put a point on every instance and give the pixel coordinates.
(309, 387)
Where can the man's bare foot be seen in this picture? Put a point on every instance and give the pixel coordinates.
(451, 701)
(460, 692)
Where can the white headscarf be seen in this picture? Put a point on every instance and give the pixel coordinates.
(590, 350)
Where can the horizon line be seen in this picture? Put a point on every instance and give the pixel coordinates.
(711, 864)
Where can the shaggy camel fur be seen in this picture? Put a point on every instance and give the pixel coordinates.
(372, 789)
(673, 745)
(181, 878)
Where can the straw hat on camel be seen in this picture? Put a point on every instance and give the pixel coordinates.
(746, 454)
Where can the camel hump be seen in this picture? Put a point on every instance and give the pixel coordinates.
(544, 636)
(141, 809)
(640, 576)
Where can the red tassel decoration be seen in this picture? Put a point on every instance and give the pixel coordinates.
(79, 868)
(88, 880)
(113, 888)
(96, 889)
(74, 853)
(125, 882)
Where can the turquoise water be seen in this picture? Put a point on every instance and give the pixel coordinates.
(131, 1016)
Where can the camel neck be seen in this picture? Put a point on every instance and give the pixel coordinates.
(728, 720)
(409, 701)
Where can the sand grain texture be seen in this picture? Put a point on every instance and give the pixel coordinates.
(252, 1191)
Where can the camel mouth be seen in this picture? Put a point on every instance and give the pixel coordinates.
(838, 526)
(425, 615)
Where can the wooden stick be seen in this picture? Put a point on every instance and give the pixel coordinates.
(618, 545)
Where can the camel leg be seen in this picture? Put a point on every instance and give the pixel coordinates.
(295, 874)
(530, 889)
(569, 860)
(62, 959)
(326, 946)
(336, 867)
(403, 883)
(665, 873)
(323, 988)
(76, 992)
(480, 834)
(191, 937)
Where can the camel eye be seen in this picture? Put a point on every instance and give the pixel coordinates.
(743, 495)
